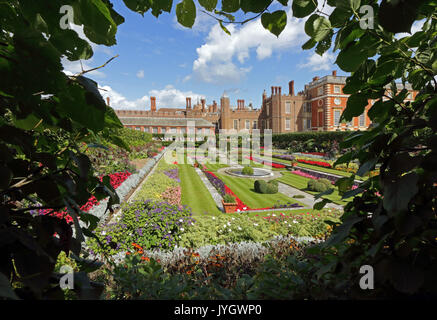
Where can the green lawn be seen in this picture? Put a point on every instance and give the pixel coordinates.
(194, 192)
(243, 188)
(300, 183)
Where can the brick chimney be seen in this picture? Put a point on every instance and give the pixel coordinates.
(273, 89)
(153, 103)
(203, 104)
(334, 73)
(242, 104)
(291, 88)
(279, 89)
(107, 101)
(188, 102)
(315, 78)
(214, 106)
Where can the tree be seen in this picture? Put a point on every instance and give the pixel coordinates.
(45, 115)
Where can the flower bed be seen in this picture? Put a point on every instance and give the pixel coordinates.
(288, 157)
(148, 224)
(272, 164)
(315, 163)
(116, 179)
(223, 189)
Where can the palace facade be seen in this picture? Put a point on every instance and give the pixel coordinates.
(317, 108)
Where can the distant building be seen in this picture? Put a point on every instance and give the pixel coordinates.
(317, 108)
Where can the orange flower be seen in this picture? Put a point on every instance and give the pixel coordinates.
(137, 246)
(189, 272)
(145, 258)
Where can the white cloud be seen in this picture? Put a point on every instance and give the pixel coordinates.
(140, 74)
(169, 97)
(316, 62)
(118, 101)
(215, 61)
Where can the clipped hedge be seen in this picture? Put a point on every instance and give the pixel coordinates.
(248, 171)
(265, 187)
(325, 141)
(319, 185)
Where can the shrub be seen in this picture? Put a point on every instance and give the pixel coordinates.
(228, 198)
(265, 187)
(248, 171)
(320, 185)
(298, 196)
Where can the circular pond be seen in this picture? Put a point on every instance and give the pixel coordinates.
(257, 173)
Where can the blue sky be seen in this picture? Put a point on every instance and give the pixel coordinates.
(159, 57)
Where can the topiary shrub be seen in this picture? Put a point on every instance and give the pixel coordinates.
(319, 185)
(248, 171)
(265, 187)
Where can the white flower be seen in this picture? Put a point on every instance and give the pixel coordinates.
(103, 233)
(285, 222)
(213, 218)
(182, 229)
(180, 220)
(244, 208)
(233, 218)
(169, 231)
(229, 230)
(224, 226)
(239, 228)
(273, 215)
(294, 221)
(255, 224)
(238, 210)
(229, 223)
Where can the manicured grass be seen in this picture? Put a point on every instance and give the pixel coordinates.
(243, 188)
(301, 183)
(194, 192)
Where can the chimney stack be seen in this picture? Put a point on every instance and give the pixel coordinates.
(273, 88)
(107, 101)
(315, 78)
(242, 104)
(188, 102)
(291, 87)
(279, 89)
(153, 103)
(203, 104)
(214, 106)
(334, 73)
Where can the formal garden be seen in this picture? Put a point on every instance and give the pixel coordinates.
(82, 196)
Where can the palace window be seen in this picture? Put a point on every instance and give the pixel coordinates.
(155, 129)
(287, 107)
(362, 120)
(320, 91)
(287, 124)
(336, 89)
(336, 117)
(255, 124)
(236, 124)
(247, 124)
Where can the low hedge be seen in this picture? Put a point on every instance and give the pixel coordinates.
(265, 187)
(319, 185)
(248, 171)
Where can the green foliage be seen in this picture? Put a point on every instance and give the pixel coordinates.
(309, 141)
(247, 171)
(146, 224)
(266, 187)
(319, 185)
(228, 198)
(157, 183)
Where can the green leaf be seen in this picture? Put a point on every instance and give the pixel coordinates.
(274, 22)
(398, 16)
(320, 205)
(254, 6)
(209, 5)
(303, 8)
(186, 13)
(345, 184)
(350, 58)
(309, 44)
(224, 28)
(366, 167)
(324, 193)
(230, 5)
(339, 16)
(399, 192)
(355, 106)
(342, 232)
(320, 28)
